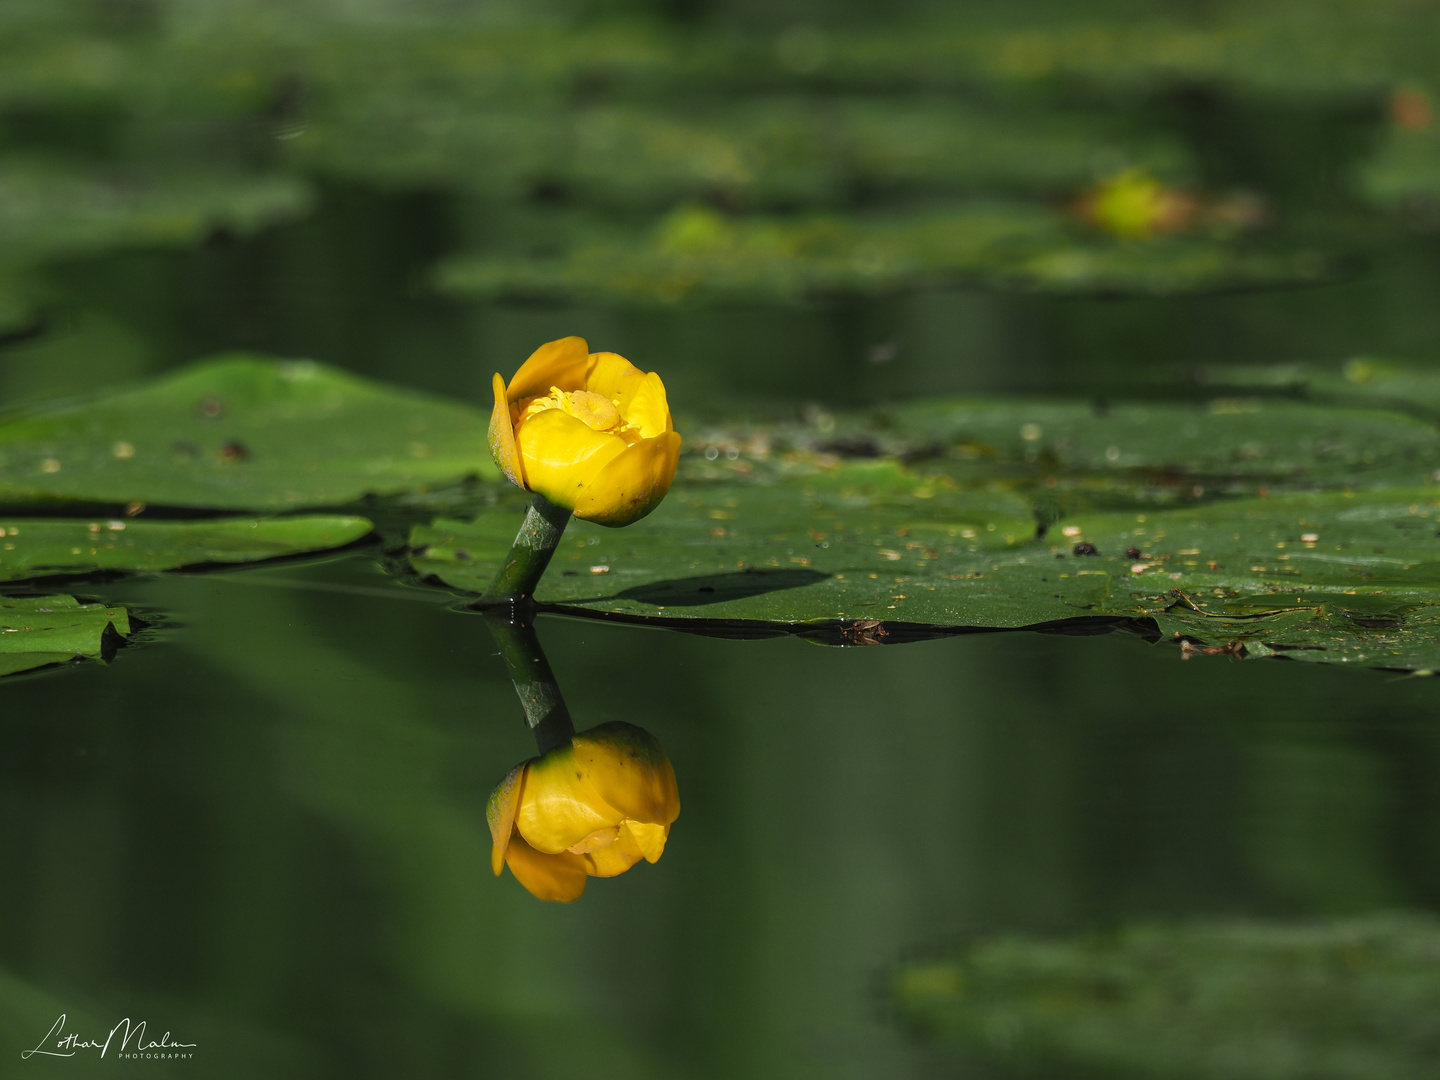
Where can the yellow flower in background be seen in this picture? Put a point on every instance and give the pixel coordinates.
(589, 431)
(591, 809)
(1135, 206)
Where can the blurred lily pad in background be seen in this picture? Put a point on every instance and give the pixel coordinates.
(697, 252)
(36, 631)
(1341, 999)
(242, 433)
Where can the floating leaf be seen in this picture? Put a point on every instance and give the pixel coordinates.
(698, 253)
(1343, 999)
(48, 210)
(766, 152)
(40, 630)
(39, 547)
(242, 433)
(1341, 575)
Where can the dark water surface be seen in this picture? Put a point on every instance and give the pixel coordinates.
(261, 827)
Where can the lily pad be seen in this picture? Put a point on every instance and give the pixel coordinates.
(40, 630)
(698, 253)
(1343, 999)
(41, 547)
(48, 210)
(1350, 576)
(242, 433)
(773, 151)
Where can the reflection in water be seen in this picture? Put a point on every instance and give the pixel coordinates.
(1342, 999)
(592, 804)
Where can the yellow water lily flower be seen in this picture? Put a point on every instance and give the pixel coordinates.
(1134, 205)
(589, 431)
(593, 808)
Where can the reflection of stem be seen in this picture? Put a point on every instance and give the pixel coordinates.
(536, 541)
(535, 684)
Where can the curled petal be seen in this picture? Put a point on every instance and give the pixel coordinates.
(628, 769)
(502, 437)
(560, 363)
(650, 839)
(500, 813)
(559, 806)
(647, 409)
(616, 858)
(548, 877)
(631, 484)
(562, 455)
(613, 376)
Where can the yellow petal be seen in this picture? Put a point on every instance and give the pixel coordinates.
(647, 409)
(598, 839)
(650, 839)
(559, 806)
(556, 363)
(615, 858)
(613, 376)
(631, 484)
(502, 436)
(549, 877)
(500, 813)
(562, 455)
(627, 768)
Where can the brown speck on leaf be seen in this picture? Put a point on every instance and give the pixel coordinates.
(1086, 548)
(234, 450)
(1133, 553)
(211, 407)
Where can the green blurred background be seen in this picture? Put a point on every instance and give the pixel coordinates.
(263, 828)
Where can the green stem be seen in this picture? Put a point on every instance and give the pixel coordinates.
(535, 683)
(536, 541)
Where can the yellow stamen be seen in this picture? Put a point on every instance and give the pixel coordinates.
(595, 411)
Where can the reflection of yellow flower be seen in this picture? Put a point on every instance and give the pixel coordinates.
(589, 431)
(591, 809)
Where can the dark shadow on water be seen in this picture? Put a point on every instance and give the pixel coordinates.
(718, 588)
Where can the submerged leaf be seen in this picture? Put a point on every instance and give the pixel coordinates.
(242, 433)
(40, 630)
(39, 547)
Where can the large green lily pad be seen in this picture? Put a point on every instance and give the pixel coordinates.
(40, 547)
(697, 253)
(1262, 526)
(242, 433)
(40, 630)
(1345, 999)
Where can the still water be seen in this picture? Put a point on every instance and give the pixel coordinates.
(261, 827)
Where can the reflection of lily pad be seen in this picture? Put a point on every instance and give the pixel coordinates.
(1349, 999)
(40, 630)
(697, 253)
(241, 433)
(38, 547)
